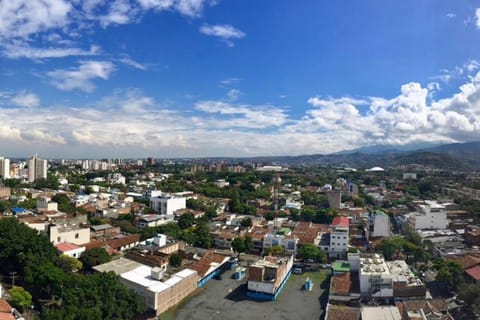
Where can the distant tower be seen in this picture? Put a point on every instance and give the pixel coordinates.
(37, 168)
(276, 186)
(334, 198)
(4, 168)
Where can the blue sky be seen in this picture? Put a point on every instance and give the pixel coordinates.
(175, 78)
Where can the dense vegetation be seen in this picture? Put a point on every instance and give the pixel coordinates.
(56, 293)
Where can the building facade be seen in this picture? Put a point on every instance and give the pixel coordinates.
(37, 169)
(339, 237)
(167, 204)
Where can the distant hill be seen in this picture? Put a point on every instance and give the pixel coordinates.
(458, 156)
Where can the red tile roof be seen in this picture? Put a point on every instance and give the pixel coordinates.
(340, 221)
(64, 247)
(474, 272)
(5, 307)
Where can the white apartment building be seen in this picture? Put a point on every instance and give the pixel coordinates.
(116, 178)
(37, 169)
(374, 275)
(380, 222)
(432, 215)
(166, 204)
(289, 243)
(339, 237)
(4, 168)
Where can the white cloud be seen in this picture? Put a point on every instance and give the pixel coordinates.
(451, 15)
(477, 17)
(130, 123)
(225, 32)
(190, 8)
(23, 18)
(229, 81)
(233, 94)
(23, 50)
(25, 99)
(119, 12)
(82, 77)
(130, 62)
(245, 116)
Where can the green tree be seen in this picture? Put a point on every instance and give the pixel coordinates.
(203, 238)
(127, 226)
(311, 251)
(93, 257)
(248, 244)
(246, 222)
(275, 251)
(175, 260)
(69, 264)
(238, 245)
(186, 220)
(19, 297)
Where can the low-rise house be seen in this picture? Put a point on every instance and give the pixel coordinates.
(432, 309)
(473, 274)
(267, 277)
(153, 220)
(381, 312)
(208, 266)
(6, 310)
(340, 312)
(70, 249)
(69, 233)
(158, 290)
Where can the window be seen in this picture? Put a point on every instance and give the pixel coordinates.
(77, 235)
(59, 239)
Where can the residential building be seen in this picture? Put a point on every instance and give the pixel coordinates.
(69, 233)
(37, 169)
(166, 204)
(44, 204)
(70, 249)
(4, 168)
(158, 290)
(432, 215)
(381, 312)
(339, 237)
(267, 277)
(379, 223)
(153, 220)
(6, 310)
(283, 239)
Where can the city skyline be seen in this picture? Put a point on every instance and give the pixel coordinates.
(199, 78)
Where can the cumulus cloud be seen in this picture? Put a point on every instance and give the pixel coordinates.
(81, 78)
(34, 29)
(25, 99)
(23, 18)
(129, 122)
(477, 17)
(225, 32)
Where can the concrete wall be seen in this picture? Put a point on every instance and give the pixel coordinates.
(76, 236)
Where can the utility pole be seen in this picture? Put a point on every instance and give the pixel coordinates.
(13, 276)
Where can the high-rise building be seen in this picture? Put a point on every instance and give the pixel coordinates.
(4, 168)
(37, 169)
